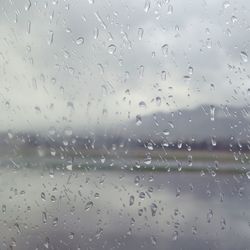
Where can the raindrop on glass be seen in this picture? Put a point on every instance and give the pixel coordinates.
(158, 101)
(111, 49)
(142, 104)
(140, 33)
(190, 70)
(209, 43)
(164, 49)
(248, 175)
(244, 56)
(80, 41)
(153, 209)
(88, 205)
(138, 120)
(209, 215)
(175, 235)
(44, 217)
(148, 160)
(50, 37)
(131, 200)
(170, 9)
(27, 5)
(212, 112)
(163, 75)
(141, 71)
(147, 5)
(226, 4)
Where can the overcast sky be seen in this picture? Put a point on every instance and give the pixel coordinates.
(87, 63)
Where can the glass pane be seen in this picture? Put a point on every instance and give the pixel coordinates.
(124, 124)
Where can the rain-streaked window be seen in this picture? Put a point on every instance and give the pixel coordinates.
(124, 124)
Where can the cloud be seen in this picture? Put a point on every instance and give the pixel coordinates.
(63, 71)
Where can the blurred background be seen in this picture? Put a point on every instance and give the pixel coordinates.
(124, 124)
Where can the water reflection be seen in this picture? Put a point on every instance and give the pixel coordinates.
(93, 210)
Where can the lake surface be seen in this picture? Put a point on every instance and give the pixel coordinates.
(51, 208)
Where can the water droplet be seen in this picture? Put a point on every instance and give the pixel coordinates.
(69, 167)
(148, 160)
(28, 27)
(137, 180)
(131, 200)
(142, 104)
(17, 228)
(138, 120)
(223, 223)
(158, 100)
(140, 212)
(179, 144)
(190, 160)
(234, 19)
(52, 151)
(71, 236)
(10, 134)
(153, 208)
(53, 198)
(187, 78)
(142, 195)
(44, 217)
(226, 4)
(190, 70)
(150, 146)
(46, 243)
(147, 5)
(97, 195)
(153, 240)
(91, 1)
(37, 109)
(3, 209)
(244, 56)
(212, 112)
(170, 9)
(163, 75)
(248, 175)
(96, 33)
(55, 222)
(213, 141)
(166, 132)
(51, 173)
(12, 243)
(228, 32)
(103, 159)
(27, 5)
(194, 230)
(164, 49)
(43, 197)
(209, 215)
(101, 68)
(178, 191)
(141, 71)
(51, 37)
(175, 235)
(209, 43)
(80, 41)
(140, 33)
(88, 205)
(111, 49)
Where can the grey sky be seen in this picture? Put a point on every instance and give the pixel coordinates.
(57, 68)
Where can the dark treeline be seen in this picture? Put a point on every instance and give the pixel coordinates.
(22, 140)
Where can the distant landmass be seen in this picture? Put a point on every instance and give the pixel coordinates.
(203, 128)
(201, 123)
